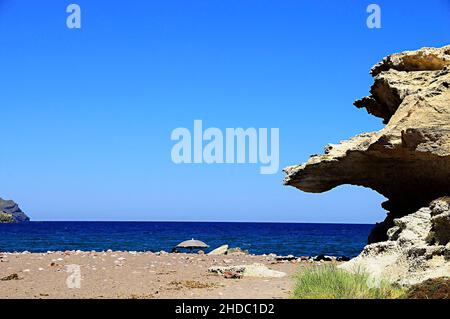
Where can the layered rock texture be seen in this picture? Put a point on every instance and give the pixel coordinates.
(409, 160)
(417, 248)
(11, 213)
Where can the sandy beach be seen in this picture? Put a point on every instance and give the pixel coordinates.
(139, 275)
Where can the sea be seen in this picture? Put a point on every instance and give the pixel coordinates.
(258, 238)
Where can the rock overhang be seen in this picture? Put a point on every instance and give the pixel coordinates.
(408, 161)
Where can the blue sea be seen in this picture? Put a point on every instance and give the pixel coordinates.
(257, 238)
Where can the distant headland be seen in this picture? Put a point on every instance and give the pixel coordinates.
(11, 213)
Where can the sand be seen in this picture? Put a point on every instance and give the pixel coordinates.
(138, 275)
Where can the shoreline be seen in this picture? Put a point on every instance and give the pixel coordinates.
(271, 256)
(163, 252)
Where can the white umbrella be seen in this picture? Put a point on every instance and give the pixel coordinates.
(191, 244)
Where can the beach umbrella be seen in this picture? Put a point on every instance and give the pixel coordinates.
(191, 244)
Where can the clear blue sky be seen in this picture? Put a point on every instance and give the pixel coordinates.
(86, 115)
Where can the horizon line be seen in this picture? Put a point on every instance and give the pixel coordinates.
(195, 221)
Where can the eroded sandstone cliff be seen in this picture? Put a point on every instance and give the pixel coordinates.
(417, 248)
(408, 161)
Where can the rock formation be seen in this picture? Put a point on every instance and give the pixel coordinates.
(253, 270)
(222, 250)
(11, 213)
(415, 250)
(408, 161)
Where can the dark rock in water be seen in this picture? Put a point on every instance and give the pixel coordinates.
(286, 258)
(322, 258)
(305, 258)
(11, 213)
(342, 258)
(379, 232)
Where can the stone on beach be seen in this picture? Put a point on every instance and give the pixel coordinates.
(260, 270)
(222, 250)
(253, 270)
(10, 277)
(232, 275)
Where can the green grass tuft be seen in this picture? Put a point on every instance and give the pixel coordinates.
(329, 282)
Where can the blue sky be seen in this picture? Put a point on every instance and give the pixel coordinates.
(87, 114)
